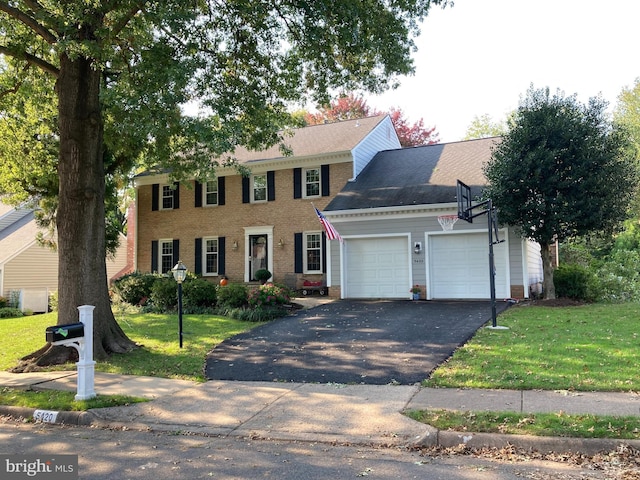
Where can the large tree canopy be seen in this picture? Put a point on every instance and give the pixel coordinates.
(563, 169)
(118, 74)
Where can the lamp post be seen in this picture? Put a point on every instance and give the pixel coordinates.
(179, 273)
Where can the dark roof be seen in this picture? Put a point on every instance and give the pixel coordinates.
(417, 175)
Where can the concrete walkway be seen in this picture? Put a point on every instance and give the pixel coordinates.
(355, 414)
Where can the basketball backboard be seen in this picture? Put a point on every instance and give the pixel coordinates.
(463, 194)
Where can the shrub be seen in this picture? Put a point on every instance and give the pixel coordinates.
(259, 314)
(232, 295)
(575, 282)
(269, 294)
(263, 275)
(135, 288)
(53, 301)
(619, 277)
(198, 295)
(3, 302)
(10, 312)
(164, 294)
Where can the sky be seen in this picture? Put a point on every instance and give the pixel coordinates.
(480, 57)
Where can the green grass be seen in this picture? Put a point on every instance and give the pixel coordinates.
(60, 400)
(585, 348)
(545, 424)
(159, 355)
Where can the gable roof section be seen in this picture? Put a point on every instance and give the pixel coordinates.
(417, 176)
(17, 236)
(323, 139)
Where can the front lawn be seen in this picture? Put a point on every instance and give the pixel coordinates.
(159, 355)
(587, 348)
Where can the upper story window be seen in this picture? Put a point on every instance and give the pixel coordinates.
(259, 189)
(210, 192)
(312, 182)
(210, 256)
(313, 252)
(166, 255)
(167, 197)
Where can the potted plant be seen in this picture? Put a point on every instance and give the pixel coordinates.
(415, 290)
(263, 275)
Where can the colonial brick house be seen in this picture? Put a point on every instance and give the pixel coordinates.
(233, 226)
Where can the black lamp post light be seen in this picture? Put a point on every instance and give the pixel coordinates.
(179, 273)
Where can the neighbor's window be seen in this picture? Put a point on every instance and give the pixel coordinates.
(313, 252)
(259, 188)
(312, 182)
(210, 256)
(211, 192)
(166, 255)
(167, 197)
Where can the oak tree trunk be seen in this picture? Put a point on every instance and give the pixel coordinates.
(82, 275)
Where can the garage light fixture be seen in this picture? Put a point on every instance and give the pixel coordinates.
(417, 248)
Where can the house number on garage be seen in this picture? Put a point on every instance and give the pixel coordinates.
(418, 260)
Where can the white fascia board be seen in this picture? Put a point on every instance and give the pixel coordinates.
(403, 211)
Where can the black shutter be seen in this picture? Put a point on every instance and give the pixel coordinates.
(221, 190)
(324, 178)
(246, 198)
(297, 248)
(198, 257)
(271, 186)
(176, 196)
(176, 251)
(324, 253)
(221, 255)
(198, 190)
(155, 195)
(297, 183)
(154, 256)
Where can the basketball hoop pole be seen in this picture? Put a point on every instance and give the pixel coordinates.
(465, 211)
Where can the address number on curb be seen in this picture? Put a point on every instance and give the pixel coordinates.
(45, 416)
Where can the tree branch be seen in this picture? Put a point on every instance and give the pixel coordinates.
(30, 59)
(30, 22)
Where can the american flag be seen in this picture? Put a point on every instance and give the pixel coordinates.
(332, 233)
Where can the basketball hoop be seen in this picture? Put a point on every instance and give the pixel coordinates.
(447, 222)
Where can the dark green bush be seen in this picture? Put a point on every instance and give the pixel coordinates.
(263, 275)
(164, 294)
(575, 282)
(9, 312)
(135, 288)
(198, 294)
(233, 295)
(3, 302)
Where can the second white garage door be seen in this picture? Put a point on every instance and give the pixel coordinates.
(459, 267)
(377, 268)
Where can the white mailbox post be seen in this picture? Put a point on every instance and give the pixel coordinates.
(80, 337)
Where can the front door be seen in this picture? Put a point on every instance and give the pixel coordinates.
(258, 259)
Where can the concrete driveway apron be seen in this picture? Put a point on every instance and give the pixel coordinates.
(351, 342)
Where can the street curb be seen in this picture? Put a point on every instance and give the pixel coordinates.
(431, 438)
(85, 418)
(586, 446)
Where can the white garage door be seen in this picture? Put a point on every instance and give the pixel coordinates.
(377, 268)
(459, 266)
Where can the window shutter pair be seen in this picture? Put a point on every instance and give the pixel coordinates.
(221, 192)
(271, 187)
(155, 197)
(324, 179)
(155, 254)
(221, 256)
(298, 249)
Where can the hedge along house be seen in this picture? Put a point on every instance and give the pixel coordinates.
(388, 218)
(234, 226)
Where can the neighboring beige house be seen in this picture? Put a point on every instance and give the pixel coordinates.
(28, 270)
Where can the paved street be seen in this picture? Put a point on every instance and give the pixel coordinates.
(124, 454)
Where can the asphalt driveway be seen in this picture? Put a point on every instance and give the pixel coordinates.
(347, 341)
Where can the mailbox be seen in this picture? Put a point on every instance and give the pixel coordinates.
(64, 333)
